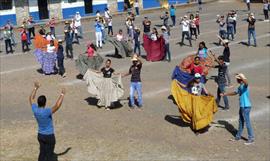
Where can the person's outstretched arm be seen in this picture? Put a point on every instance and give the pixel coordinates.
(59, 101)
(33, 93)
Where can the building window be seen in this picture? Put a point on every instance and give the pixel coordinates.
(5, 4)
(71, 1)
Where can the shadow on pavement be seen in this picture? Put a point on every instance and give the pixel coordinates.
(93, 101)
(229, 127)
(176, 120)
(55, 157)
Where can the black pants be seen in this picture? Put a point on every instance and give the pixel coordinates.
(69, 51)
(266, 16)
(248, 6)
(25, 44)
(198, 29)
(60, 63)
(173, 20)
(186, 33)
(31, 31)
(8, 45)
(193, 31)
(46, 147)
(110, 30)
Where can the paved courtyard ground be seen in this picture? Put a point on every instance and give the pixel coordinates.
(85, 132)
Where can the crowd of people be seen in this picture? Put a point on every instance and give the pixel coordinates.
(189, 77)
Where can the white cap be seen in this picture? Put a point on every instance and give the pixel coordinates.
(197, 75)
(77, 12)
(163, 28)
(185, 16)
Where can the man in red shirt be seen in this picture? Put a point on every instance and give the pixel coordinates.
(24, 40)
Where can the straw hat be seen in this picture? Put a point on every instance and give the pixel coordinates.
(226, 41)
(135, 57)
(240, 76)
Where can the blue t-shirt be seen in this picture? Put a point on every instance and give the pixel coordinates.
(243, 92)
(44, 119)
(172, 11)
(98, 27)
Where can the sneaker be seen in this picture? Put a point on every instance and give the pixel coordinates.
(64, 75)
(249, 142)
(234, 139)
(108, 109)
(226, 108)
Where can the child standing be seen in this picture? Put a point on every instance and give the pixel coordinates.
(24, 40)
(60, 59)
(110, 28)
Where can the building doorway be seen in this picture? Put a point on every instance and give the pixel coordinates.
(43, 9)
(88, 6)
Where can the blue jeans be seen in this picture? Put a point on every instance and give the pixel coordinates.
(253, 33)
(137, 11)
(167, 52)
(173, 20)
(137, 46)
(135, 86)
(230, 32)
(221, 89)
(244, 117)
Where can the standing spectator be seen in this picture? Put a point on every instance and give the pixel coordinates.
(137, 43)
(98, 33)
(98, 14)
(7, 38)
(234, 17)
(197, 22)
(31, 26)
(44, 119)
(202, 51)
(226, 56)
(172, 13)
(78, 24)
(51, 24)
(74, 32)
(185, 30)
(130, 27)
(60, 58)
(221, 80)
(136, 83)
(251, 28)
(24, 40)
(166, 38)
(230, 26)
(200, 5)
(222, 29)
(10, 27)
(146, 26)
(165, 19)
(69, 48)
(107, 14)
(103, 23)
(193, 29)
(110, 27)
(1, 38)
(266, 7)
(248, 4)
(245, 108)
(136, 6)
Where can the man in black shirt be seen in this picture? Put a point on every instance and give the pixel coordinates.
(146, 25)
(221, 80)
(226, 56)
(136, 84)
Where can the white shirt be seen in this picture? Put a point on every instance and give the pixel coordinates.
(110, 22)
(185, 25)
(247, 1)
(136, 4)
(50, 37)
(107, 14)
(77, 20)
(50, 49)
(119, 37)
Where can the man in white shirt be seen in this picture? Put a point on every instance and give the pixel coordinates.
(185, 30)
(78, 24)
(248, 4)
(136, 6)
